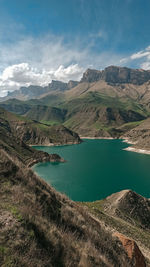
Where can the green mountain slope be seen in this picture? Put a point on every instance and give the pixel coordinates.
(50, 115)
(92, 114)
(96, 106)
(95, 114)
(35, 133)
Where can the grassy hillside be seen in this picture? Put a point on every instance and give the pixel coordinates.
(92, 107)
(95, 114)
(35, 133)
(40, 227)
(128, 213)
(16, 106)
(45, 114)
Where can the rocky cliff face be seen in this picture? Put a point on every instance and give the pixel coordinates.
(90, 76)
(57, 85)
(116, 75)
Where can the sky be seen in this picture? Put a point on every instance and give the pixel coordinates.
(41, 40)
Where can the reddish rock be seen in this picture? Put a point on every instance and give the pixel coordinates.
(132, 250)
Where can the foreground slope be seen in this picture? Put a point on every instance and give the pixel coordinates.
(40, 227)
(128, 213)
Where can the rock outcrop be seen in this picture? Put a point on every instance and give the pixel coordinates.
(132, 250)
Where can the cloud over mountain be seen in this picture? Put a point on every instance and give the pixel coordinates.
(37, 60)
(24, 75)
(141, 58)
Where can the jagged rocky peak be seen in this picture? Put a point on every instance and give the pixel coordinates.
(91, 75)
(115, 75)
(57, 85)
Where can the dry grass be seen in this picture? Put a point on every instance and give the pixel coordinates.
(48, 229)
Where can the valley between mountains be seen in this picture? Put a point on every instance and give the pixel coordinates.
(38, 225)
(108, 103)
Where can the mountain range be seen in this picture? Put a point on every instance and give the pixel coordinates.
(105, 103)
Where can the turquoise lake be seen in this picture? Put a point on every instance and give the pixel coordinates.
(96, 169)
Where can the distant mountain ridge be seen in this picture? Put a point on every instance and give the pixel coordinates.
(104, 103)
(35, 91)
(114, 74)
(111, 75)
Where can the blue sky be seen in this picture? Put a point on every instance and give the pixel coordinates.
(42, 40)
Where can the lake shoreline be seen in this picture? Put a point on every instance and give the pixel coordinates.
(130, 148)
(76, 178)
(135, 149)
(57, 144)
(97, 138)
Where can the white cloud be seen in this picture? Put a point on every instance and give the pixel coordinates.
(145, 65)
(141, 59)
(15, 76)
(38, 60)
(140, 54)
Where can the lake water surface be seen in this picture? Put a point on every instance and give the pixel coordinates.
(96, 169)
